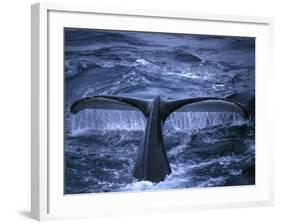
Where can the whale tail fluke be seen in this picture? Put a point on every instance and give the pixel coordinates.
(152, 163)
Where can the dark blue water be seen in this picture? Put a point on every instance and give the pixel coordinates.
(204, 149)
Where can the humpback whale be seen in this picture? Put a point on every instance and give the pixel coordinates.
(152, 163)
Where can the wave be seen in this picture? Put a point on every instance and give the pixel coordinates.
(242, 43)
(77, 66)
(185, 55)
(183, 175)
(88, 36)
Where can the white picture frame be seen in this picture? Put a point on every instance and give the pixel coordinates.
(47, 198)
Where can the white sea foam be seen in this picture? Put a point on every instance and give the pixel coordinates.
(142, 62)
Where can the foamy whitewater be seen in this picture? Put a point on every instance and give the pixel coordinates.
(205, 149)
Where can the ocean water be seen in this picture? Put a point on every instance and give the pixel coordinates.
(205, 149)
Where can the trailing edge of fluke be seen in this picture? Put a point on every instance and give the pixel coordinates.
(152, 163)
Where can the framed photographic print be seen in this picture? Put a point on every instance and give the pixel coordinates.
(148, 111)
